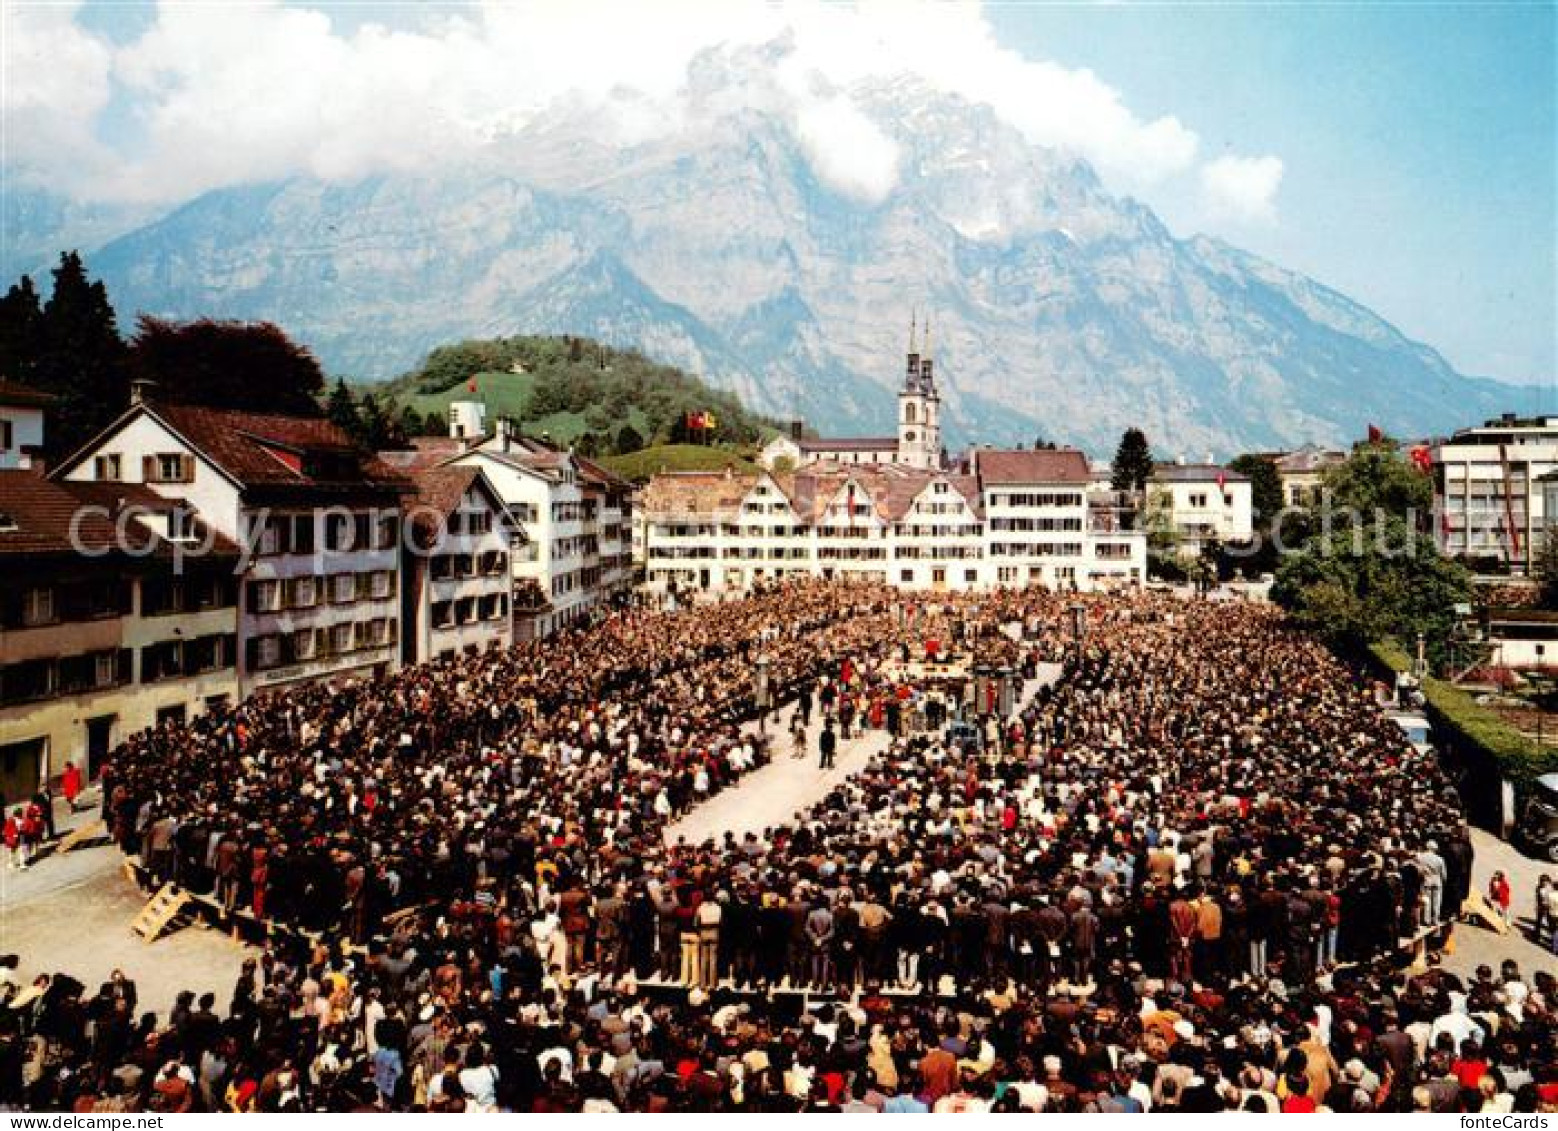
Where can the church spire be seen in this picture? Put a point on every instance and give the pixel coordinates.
(926, 360)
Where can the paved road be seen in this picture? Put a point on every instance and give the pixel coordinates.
(774, 794)
(73, 913)
(1476, 945)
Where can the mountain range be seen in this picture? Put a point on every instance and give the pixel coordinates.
(1057, 308)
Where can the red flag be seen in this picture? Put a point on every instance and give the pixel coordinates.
(1422, 458)
(472, 385)
(1375, 435)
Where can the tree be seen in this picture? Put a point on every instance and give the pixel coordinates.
(242, 365)
(21, 332)
(341, 409)
(1132, 465)
(81, 357)
(1370, 568)
(628, 440)
(1265, 486)
(435, 423)
(410, 421)
(375, 430)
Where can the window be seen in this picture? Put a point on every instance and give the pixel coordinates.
(6, 435)
(169, 467)
(264, 596)
(304, 644)
(181, 525)
(107, 669)
(107, 469)
(1198, 499)
(302, 526)
(341, 638)
(272, 540)
(267, 651)
(906, 576)
(383, 580)
(970, 576)
(343, 588)
(305, 593)
(38, 606)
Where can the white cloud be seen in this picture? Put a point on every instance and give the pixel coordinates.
(848, 150)
(1243, 188)
(56, 83)
(222, 94)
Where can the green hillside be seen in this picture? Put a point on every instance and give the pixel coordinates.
(640, 466)
(574, 391)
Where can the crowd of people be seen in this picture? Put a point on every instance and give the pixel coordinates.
(1181, 876)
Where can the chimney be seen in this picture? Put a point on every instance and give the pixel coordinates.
(141, 390)
(797, 430)
(503, 433)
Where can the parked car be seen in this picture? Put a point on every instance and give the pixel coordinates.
(1539, 822)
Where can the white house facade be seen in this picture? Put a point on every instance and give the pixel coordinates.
(1014, 519)
(317, 521)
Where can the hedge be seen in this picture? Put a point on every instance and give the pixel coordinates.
(1470, 723)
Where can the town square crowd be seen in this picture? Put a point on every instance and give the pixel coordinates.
(1182, 877)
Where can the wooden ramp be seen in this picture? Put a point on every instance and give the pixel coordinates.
(82, 834)
(159, 912)
(1477, 909)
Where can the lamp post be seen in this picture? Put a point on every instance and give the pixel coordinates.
(1422, 658)
(1078, 624)
(760, 694)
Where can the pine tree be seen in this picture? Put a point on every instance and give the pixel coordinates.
(375, 425)
(1132, 465)
(341, 410)
(82, 360)
(21, 332)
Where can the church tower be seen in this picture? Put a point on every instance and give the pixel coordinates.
(919, 408)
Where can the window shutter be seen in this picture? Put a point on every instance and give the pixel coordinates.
(188, 462)
(149, 469)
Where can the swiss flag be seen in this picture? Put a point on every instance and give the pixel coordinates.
(1375, 435)
(472, 385)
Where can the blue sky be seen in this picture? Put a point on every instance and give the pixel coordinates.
(1404, 154)
(1418, 144)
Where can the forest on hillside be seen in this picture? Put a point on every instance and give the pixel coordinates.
(600, 399)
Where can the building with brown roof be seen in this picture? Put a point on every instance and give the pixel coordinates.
(317, 522)
(22, 411)
(456, 575)
(118, 613)
(577, 515)
(1011, 519)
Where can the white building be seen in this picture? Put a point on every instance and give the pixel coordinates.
(578, 519)
(1198, 504)
(1302, 473)
(1488, 490)
(21, 424)
(457, 572)
(318, 521)
(1012, 519)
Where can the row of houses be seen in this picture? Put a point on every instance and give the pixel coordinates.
(188, 557)
(1012, 518)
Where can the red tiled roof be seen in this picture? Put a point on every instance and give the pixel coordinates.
(696, 494)
(16, 393)
(62, 518)
(1065, 465)
(251, 446)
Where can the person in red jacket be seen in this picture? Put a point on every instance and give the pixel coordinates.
(70, 784)
(13, 839)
